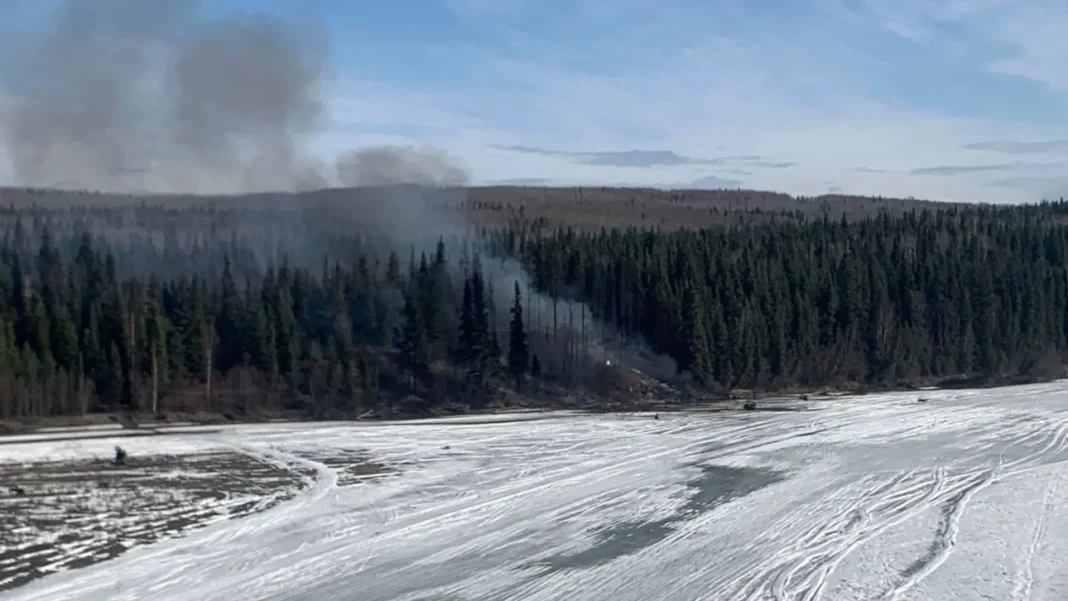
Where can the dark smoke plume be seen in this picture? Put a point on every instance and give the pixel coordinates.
(152, 95)
(408, 194)
(395, 165)
(155, 96)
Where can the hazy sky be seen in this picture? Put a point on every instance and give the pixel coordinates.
(954, 99)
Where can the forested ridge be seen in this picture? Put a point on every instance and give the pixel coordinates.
(148, 308)
(976, 292)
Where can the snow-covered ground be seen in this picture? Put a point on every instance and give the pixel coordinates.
(878, 497)
(58, 515)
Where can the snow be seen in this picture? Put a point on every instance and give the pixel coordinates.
(64, 514)
(69, 429)
(874, 497)
(44, 436)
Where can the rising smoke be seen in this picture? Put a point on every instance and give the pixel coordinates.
(396, 165)
(138, 96)
(151, 96)
(414, 192)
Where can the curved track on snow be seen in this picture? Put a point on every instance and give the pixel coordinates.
(878, 497)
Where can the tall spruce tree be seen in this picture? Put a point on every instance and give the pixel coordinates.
(414, 345)
(518, 351)
(770, 302)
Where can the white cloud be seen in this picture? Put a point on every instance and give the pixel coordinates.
(711, 80)
(672, 110)
(1025, 39)
(704, 82)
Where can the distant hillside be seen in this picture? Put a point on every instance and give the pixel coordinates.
(354, 302)
(671, 209)
(584, 208)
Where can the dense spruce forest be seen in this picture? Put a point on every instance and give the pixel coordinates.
(211, 310)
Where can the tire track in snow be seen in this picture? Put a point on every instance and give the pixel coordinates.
(430, 522)
(1026, 580)
(804, 573)
(884, 516)
(315, 499)
(442, 520)
(1055, 444)
(868, 527)
(213, 544)
(841, 511)
(447, 513)
(946, 537)
(316, 489)
(826, 536)
(945, 540)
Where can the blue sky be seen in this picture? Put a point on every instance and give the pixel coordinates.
(950, 99)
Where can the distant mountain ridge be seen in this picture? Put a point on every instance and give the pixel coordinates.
(582, 207)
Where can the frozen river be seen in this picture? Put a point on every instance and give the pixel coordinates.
(876, 497)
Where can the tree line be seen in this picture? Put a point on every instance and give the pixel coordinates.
(976, 293)
(76, 338)
(973, 292)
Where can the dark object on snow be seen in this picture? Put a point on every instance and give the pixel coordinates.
(921, 400)
(656, 416)
(749, 405)
(18, 491)
(445, 448)
(804, 397)
(120, 455)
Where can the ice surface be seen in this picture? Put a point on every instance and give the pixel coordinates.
(876, 497)
(60, 515)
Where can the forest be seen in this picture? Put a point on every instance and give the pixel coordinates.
(302, 310)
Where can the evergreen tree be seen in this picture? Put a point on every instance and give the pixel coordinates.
(413, 339)
(208, 317)
(518, 351)
(155, 338)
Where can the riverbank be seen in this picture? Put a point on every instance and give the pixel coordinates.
(148, 424)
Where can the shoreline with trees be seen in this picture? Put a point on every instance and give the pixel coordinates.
(155, 310)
